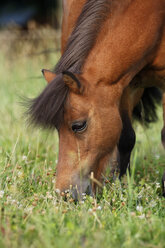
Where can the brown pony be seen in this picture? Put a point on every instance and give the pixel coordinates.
(113, 57)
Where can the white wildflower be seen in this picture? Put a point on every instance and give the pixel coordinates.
(157, 156)
(57, 191)
(99, 208)
(54, 202)
(9, 198)
(29, 209)
(141, 216)
(157, 185)
(152, 204)
(49, 196)
(139, 208)
(20, 174)
(53, 181)
(1, 193)
(24, 158)
(13, 201)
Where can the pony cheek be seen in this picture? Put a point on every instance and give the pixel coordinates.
(114, 131)
(107, 134)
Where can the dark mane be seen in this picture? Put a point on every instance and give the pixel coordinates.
(47, 110)
(83, 36)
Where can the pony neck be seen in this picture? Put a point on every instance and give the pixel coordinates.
(123, 46)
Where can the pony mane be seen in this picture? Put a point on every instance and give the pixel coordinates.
(84, 35)
(47, 110)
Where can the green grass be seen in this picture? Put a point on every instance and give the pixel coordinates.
(33, 216)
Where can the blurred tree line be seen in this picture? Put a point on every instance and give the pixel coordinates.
(21, 12)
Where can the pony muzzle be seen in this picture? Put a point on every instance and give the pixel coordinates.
(78, 191)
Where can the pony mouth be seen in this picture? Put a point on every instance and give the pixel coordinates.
(81, 196)
(76, 193)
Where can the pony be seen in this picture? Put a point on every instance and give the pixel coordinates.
(112, 68)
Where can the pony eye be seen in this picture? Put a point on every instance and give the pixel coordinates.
(79, 127)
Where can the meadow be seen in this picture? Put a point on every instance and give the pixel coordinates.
(129, 214)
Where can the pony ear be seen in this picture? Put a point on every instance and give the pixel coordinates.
(48, 75)
(72, 82)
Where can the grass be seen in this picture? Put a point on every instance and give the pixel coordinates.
(31, 213)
